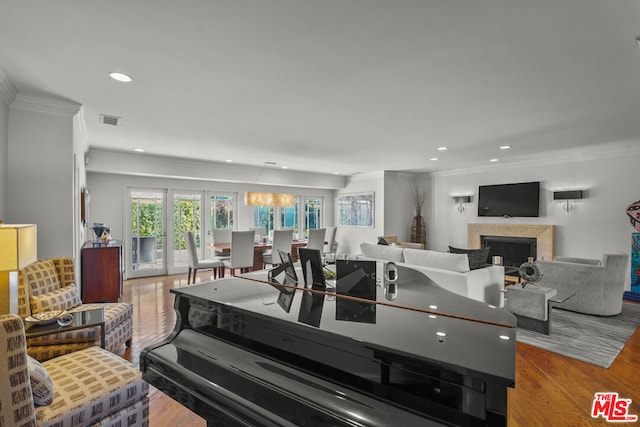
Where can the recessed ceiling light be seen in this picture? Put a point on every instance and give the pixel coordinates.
(433, 159)
(121, 77)
(493, 160)
(504, 337)
(229, 161)
(336, 173)
(443, 148)
(285, 167)
(505, 147)
(139, 150)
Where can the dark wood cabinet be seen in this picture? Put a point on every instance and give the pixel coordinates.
(102, 272)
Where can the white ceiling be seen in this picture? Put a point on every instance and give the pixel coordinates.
(337, 85)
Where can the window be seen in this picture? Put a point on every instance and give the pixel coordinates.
(221, 211)
(146, 230)
(356, 210)
(289, 217)
(263, 217)
(307, 211)
(186, 217)
(312, 214)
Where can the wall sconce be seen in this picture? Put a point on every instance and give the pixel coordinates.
(254, 198)
(566, 196)
(18, 248)
(461, 200)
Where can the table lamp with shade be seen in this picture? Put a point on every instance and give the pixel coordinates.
(18, 249)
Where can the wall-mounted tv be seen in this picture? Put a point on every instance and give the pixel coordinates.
(507, 200)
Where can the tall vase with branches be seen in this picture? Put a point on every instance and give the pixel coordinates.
(418, 227)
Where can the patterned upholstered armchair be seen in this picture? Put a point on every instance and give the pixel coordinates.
(49, 285)
(90, 387)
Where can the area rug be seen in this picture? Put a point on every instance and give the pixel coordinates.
(593, 339)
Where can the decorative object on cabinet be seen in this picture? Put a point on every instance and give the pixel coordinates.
(98, 229)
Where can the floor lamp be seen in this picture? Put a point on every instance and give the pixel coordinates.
(18, 248)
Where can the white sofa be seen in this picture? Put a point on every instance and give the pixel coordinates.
(449, 271)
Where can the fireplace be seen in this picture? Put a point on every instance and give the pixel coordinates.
(543, 234)
(513, 250)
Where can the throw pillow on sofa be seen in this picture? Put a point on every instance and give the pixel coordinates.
(477, 257)
(60, 299)
(41, 384)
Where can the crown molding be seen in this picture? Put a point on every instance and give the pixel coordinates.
(8, 91)
(571, 155)
(39, 104)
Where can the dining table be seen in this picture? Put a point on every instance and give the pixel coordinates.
(258, 250)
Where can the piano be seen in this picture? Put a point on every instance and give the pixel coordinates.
(367, 350)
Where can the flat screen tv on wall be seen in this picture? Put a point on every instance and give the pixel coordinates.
(507, 200)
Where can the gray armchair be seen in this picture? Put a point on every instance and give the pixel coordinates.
(598, 284)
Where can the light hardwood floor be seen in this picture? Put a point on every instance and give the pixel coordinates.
(551, 390)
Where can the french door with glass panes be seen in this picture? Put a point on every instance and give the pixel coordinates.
(146, 233)
(187, 216)
(312, 214)
(220, 212)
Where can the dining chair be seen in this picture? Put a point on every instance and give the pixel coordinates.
(241, 251)
(195, 263)
(316, 238)
(282, 240)
(260, 231)
(221, 235)
(330, 237)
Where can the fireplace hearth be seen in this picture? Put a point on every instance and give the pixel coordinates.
(513, 250)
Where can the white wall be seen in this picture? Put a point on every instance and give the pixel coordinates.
(394, 209)
(398, 202)
(597, 224)
(398, 205)
(4, 154)
(80, 147)
(351, 237)
(40, 173)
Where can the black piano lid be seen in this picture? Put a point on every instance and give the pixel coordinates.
(424, 322)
